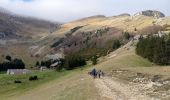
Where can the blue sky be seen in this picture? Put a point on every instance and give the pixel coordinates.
(68, 10)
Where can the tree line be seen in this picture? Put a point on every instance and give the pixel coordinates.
(70, 62)
(156, 49)
(12, 64)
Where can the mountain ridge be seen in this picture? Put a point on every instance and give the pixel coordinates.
(73, 35)
(17, 26)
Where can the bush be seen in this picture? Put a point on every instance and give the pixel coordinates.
(58, 42)
(126, 35)
(135, 29)
(37, 64)
(8, 58)
(94, 60)
(75, 29)
(17, 81)
(116, 44)
(32, 78)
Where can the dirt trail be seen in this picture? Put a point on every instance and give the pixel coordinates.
(112, 89)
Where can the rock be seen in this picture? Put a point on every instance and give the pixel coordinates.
(156, 78)
(151, 13)
(166, 82)
(140, 75)
(157, 84)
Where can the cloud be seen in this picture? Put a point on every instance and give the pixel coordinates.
(58, 10)
(68, 10)
(23, 0)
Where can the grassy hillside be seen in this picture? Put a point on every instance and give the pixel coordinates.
(126, 23)
(89, 26)
(77, 84)
(9, 88)
(66, 85)
(126, 58)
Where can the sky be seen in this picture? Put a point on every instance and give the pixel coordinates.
(69, 10)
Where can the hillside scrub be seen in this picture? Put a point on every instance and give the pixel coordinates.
(75, 29)
(97, 42)
(126, 35)
(8, 58)
(94, 60)
(155, 49)
(72, 61)
(152, 29)
(116, 44)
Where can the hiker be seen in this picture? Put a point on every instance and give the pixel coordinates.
(99, 73)
(94, 73)
(102, 74)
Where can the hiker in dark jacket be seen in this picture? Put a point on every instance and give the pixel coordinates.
(94, 73)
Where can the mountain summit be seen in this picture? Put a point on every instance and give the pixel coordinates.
(151, 13)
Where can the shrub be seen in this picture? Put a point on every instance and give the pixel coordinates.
(32, 78)
(116, 44)
(8, 58)
(126, 35)
(135, 29)
(75, 29)
(17, 81)
(37, 64)
(94, 60)
(58, 42)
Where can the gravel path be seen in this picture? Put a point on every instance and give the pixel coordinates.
(111, 89)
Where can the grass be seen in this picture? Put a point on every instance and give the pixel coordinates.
(73, 85)
(76, 87)
(3, 72)
(85, 88)
(9, 88)
(125, 58)
(134, 61)
(70, 85)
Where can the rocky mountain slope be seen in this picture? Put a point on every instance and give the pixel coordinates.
(16, 26)
(91, 32)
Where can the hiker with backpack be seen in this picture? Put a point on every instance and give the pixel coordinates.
(99, 73)
(94, 73)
